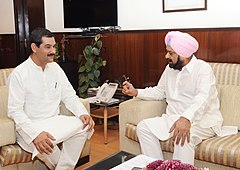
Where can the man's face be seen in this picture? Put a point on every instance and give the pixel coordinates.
(173, 59)
(46, 51)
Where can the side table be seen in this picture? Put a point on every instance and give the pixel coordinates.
(109, 110)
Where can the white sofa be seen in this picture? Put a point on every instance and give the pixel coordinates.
(12, 157)
(216, 153)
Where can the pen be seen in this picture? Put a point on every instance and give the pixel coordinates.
(126, 78)
(55, 85)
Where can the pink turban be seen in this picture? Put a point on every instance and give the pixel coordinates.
(182, 43)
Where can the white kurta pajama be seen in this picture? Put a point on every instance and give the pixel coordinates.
(190, 93)
(34, 98)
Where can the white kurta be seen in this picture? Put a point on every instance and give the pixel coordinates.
(190, 93)
(34, 98)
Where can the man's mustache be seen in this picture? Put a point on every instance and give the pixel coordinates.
(169, 60)
(51, 55)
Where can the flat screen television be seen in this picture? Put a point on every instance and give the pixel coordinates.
(90, 13)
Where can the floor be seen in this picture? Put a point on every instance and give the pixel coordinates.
(99, 150)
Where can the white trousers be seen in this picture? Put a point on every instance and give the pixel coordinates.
(66, 130)
(150, 143)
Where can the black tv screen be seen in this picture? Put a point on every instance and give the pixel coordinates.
(89, 13)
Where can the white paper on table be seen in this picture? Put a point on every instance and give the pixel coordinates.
(138, 161)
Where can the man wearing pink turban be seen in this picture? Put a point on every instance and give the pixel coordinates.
(192, 113)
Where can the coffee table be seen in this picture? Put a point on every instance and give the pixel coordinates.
(111, 161)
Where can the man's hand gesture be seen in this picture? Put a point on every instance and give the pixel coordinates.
(128, 89)
(87, 120)
(43, 143)
(181, 130)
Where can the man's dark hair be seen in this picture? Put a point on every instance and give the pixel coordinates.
(37, 34)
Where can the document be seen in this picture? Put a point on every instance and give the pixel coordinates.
(138, 161)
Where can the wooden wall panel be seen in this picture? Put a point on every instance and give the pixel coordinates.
(141, 54)
(154, 58)
(124, 54)
(35, 10)
(132, 52)
(109, 53)
(224, 46)
(7, 51)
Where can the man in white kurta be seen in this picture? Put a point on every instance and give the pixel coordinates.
(192, 113)
(36, 88)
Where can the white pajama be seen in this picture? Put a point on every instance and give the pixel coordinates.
(150, 142)
(66, 129)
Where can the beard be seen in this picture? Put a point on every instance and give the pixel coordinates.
(177, 66)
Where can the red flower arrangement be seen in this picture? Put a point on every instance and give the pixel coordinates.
(170, 165)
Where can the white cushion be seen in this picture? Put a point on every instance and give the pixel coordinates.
(230, 105)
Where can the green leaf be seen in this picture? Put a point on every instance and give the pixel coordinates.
(95, 51)
(97, 65)
(99, 44)
(87, 79)
(91, 76)
(88, 66)
(89, 63)
(82, 79)
(88, 51)
(93, 84)
(96, 73)
(84, 88)
(80, 83)
(81, 69)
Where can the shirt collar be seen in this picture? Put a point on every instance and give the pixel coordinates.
(189, 67)
(35, 65)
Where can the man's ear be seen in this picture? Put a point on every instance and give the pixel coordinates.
(34, 47)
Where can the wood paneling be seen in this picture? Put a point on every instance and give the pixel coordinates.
(7, 51)
(224, 46)
(128, 57)
(154, 57)
(35, 10)
(110, 53)
(141, 54)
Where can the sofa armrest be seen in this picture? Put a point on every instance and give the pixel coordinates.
(7, 131)
(135, 110)
(132, 112)
(65, 111)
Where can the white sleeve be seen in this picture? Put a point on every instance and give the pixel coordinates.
(156, 92)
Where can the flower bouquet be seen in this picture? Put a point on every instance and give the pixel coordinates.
(171, 165)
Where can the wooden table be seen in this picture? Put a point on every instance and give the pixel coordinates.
(109, 110)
